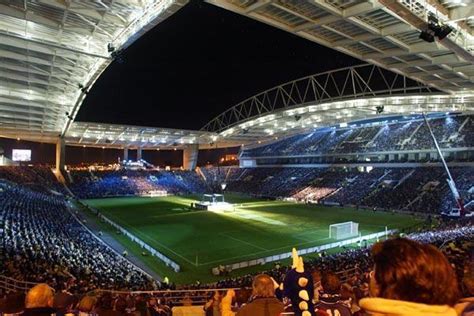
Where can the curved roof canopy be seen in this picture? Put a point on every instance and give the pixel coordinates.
(382, 32)
(52, 51)
(333, 97)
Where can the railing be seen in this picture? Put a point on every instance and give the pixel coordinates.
(283, 256)
(10, 284)
(346, 275)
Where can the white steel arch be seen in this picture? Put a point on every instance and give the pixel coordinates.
(332, 97)
(330, 86)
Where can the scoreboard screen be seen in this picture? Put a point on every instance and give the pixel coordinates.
(21, 155)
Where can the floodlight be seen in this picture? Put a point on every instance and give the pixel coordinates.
(83, 89)
(435, 29)
(443, 31)
(427, 35)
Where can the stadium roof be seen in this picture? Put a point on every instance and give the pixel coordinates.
(119, 136)
(333, 97)
(52, 52)
(382, 32)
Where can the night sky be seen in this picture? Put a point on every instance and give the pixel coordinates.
(196, 64)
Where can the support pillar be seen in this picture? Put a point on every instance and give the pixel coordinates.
(60, 159)
(60, 154)
(139, 153)
(125, 153)
(190, 156)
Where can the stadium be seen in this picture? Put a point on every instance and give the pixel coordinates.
(346, 191)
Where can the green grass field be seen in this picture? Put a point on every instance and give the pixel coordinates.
(200, 240)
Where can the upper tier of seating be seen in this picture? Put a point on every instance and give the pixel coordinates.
(451, 132)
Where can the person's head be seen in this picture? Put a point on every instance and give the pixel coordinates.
(152, 302)
(13, 303)
(262, 286)
(330, 283)
(120, 305)
(87, 303)
(409, 271)
(105, 302)
(39, 296)
(63, 302)
(243, 296)
(346, 291)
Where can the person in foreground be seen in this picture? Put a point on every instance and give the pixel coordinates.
(410, 279)
(264, 302)
(39, 300)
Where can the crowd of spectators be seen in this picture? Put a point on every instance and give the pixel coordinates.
(43, 242)
(332, 291)
(38, 177)
(122, 182)
(450, 131)
(421, 190)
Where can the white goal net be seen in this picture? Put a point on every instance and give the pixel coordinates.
(343, 230)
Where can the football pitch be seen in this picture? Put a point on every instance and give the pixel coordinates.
(201, 240)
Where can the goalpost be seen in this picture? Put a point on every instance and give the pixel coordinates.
(343, 230)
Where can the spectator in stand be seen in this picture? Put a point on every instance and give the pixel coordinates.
(349, 298)
(330, 299)
(104, 305)
(13, 304)
(465, 306)
(264, 302)
(212, 306)
(86, 305)
(410, 278)
(226, 304)
(39, 301)
(63, 303)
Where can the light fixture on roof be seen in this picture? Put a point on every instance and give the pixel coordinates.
(435, 28)
(83, 89)
(115, 54)
(69, 116)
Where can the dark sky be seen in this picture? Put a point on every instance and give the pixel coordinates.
(196, 64)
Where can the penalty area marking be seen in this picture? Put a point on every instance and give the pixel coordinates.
(243, 241)
(260, 252)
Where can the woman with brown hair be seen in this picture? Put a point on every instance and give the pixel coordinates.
(410, 278)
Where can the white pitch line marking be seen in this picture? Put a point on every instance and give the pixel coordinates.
(243, 241)
(152, 239)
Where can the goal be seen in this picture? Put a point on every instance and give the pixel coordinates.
(343, 230)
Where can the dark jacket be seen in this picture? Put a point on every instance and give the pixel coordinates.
(39, 312)
(270, 306)
(332, 305)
